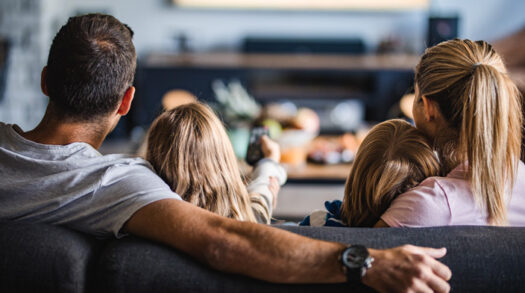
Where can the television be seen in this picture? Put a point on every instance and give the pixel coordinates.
(326, 5)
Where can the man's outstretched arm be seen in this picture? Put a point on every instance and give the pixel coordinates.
(276, 255)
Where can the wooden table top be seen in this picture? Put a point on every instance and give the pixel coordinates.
(319, 172)
(310, 171)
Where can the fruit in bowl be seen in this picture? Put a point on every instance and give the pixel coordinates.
(307, 120)
(274, 127)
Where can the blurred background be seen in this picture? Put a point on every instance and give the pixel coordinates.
(316, 73)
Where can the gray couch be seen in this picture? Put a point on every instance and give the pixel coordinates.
(43, 258)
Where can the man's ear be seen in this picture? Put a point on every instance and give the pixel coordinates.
(43, 83)
(430, 109)
(125, 105)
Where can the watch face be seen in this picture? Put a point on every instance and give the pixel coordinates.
(355, 256)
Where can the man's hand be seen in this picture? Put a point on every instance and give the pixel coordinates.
(270, 149)
(274, 188)
(408, 269)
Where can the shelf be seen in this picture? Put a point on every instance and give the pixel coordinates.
(285, 61)
(307, 92)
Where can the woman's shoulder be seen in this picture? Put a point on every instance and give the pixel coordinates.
(422, 206)
(431, 186)
(453, 185)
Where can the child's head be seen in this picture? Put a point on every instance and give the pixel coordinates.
(189, 148)
(393, 158)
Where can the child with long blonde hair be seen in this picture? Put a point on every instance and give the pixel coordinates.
(392, 158)
(190, 150)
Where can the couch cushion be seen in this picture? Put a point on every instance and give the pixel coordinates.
(44, 258)
(482, 259)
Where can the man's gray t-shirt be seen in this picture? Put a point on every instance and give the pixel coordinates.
(73, 185)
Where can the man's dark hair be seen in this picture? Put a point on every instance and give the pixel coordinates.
(91, 64)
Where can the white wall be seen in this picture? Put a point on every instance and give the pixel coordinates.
(156, 22)
(485, 19)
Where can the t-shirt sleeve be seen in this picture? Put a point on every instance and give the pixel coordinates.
(124, 190)
(423, 206)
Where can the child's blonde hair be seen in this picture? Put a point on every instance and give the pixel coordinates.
(393, 158)
(482, 107)
(189, 148)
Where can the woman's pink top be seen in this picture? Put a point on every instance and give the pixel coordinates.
(442, 201)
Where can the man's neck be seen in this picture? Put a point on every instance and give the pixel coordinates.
(56, 132)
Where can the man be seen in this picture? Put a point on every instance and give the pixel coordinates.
(53, 174)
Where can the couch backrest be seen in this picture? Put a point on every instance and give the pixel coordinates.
(482, 259)
(42, 258)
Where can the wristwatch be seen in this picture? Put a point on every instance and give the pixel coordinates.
(356, 261)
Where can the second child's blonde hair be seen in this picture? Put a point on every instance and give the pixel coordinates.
(189, 148)
(393, 158)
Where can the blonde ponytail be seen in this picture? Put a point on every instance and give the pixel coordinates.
(482, 105)
(488, 138)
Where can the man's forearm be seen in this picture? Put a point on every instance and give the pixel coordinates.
(250, 249)
(276, 255)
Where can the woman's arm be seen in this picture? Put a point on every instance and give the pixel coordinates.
(381, 224)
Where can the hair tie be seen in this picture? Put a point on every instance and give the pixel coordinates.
(474, 66)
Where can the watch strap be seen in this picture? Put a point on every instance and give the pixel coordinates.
(355, 271)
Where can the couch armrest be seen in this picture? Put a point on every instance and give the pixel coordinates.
(45, 258)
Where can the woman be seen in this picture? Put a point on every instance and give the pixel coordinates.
(190, 150)
(467, 105)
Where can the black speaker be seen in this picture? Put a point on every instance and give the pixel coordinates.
(441, 29)
(4, 50)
